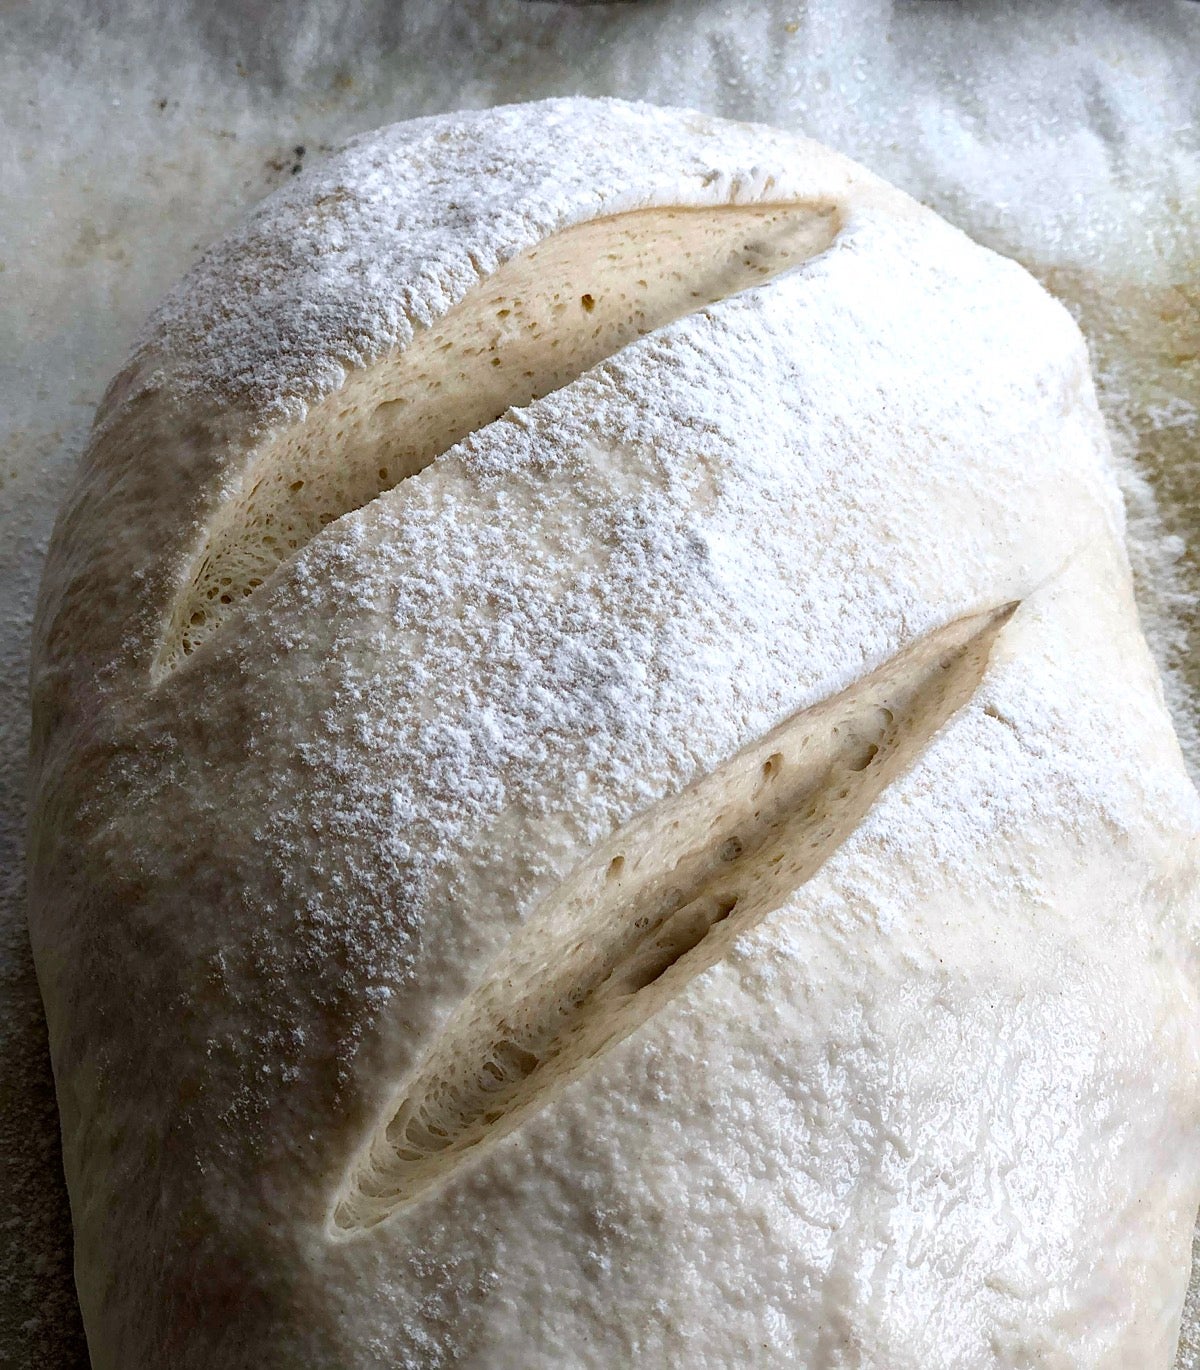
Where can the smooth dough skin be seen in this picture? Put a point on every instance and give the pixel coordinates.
(599, 799)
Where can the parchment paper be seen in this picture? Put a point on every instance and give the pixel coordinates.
(132, 132)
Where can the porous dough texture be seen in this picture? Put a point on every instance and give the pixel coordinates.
(803, 616)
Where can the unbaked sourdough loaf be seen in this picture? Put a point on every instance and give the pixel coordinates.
(599, 797)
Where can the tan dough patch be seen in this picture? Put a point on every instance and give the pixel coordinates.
(537, 323)
(656, 905)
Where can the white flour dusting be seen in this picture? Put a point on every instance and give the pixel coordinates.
(1065, 135)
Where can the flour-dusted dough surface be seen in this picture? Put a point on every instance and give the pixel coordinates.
(938, 1108)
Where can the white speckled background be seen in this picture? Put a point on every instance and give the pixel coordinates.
(133, 131)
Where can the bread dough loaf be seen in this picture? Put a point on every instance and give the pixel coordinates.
(599, 797)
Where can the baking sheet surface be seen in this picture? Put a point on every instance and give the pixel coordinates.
(133, 132)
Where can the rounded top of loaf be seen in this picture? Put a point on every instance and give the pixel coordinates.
(349, 263)
(344, 263)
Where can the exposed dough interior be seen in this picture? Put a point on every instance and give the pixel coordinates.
(537, 323)
(657, 904)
